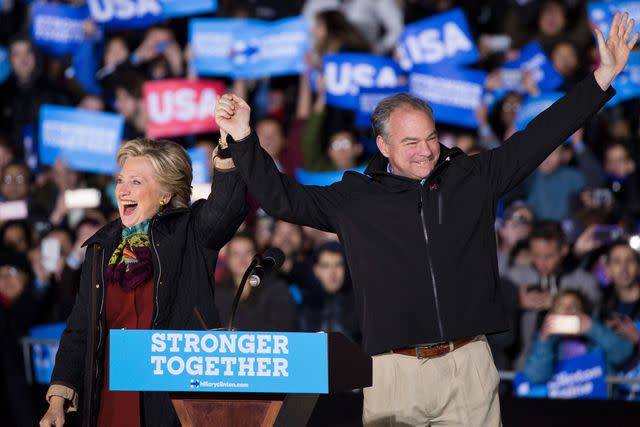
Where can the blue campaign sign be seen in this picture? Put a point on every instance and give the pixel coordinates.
(533, 106)
(369, 98)
(176, 8)
(86, 140)
(322, 178)
(121, 14)
(221, 361)
(582, 377)
(346, 73)
(5, 67)
(454, 94)
(443, 39)
(57, 28)
(534, 60)
(627, 84)
(601, 13)
(200, 166)
(43, 354)
(246, 48)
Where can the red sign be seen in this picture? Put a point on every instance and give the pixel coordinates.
(178, 107)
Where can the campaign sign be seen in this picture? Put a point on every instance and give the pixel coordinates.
(323, 179)
(443, 39)
(248, 48)
(581, 377)
(534, 60)
(43, 351)
(369, 98)
(533, 106)
(57, 28)
(5, 67)
(627, 84)
(601, 13)
(200, 166)
(220, 361)
(176, 8)
(454, 94)
(346, 73)
(181, 107)
(87, 140)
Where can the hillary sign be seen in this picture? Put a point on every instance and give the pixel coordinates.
(86, 140)
(221, 361)
(601, 13)
(121, 14)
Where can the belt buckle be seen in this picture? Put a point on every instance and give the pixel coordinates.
(425, 347)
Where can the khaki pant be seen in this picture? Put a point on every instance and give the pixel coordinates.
(457, 389)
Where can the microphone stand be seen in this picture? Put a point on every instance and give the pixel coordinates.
(243, 282)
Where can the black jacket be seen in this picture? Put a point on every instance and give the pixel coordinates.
(185, 244)
(422, 257)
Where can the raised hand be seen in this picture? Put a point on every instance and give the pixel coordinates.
(232, 115)
(614, 52)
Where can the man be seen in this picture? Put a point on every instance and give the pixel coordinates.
(418, 232)
(622, 299)
(538, 284)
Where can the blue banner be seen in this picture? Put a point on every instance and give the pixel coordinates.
(369, 98)
(87, 140)
(43, 354)
(581, 377)
(533, 106)
(218, 361)
(247, 48)
(346, 73)
(58, 29)
(443, 39)
(5, 66)
(601, 13)
(534, 60)
(123, 14)
(200, 166)
(627, 84)
(322, 178)
(454, 94)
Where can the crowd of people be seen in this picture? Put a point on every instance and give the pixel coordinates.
(568, 237)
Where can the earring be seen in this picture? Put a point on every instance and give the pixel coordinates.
(162, 203)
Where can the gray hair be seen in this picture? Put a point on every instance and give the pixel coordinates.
(171, 165)
(380, 117)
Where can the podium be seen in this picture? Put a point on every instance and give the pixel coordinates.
(238, 378)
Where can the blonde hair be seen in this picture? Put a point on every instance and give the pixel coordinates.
(171, 166)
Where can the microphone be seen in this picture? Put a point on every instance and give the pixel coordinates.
(260, 264)
(270, 259)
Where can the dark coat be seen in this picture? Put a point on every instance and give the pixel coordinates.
(422, 256)
(185, 244)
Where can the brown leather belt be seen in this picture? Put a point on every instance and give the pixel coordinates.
(434, 350)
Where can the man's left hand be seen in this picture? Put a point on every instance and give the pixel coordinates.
(614, 53)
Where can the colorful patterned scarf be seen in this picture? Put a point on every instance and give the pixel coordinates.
(131, 264)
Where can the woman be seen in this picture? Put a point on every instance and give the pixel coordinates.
(151, 269)
(555, 344)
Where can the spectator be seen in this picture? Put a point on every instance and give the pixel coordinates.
(333, 310)
(548, 275)
(552, 346)
(16, 182)
(621, 305)
(267, 307)
(16, 235)
(130, 105)
(516, 227)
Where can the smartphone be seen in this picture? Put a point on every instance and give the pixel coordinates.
(607, 233)
(497, 42)
(15, 209)
(564, 324)
(602, 197)
(50, 252)
(83, 198)
(162, 46)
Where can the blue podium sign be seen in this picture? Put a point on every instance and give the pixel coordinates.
(218, 361)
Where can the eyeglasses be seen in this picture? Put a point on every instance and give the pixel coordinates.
(341, 144)
(8, 271)
(14, 179)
